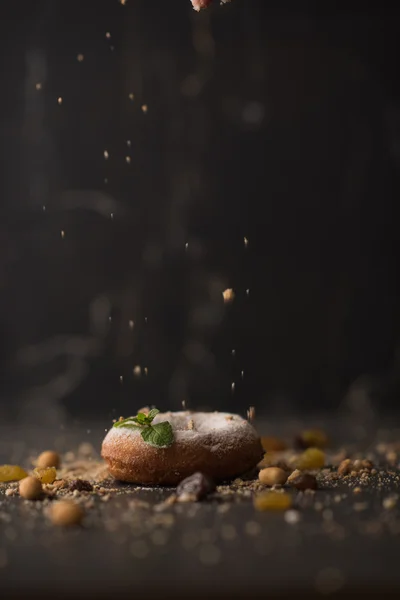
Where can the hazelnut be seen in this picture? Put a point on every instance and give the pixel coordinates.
(304, 481)
(49, 458)
(66, 513)
(30, 488)
(272, 476)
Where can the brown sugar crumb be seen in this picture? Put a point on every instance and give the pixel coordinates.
(49, 458)
(66, 513)
(30, 488)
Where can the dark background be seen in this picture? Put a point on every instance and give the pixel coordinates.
(275, 122)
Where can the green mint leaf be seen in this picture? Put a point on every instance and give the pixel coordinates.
(160, 435)
(128, 422)
(142, 419)
(153, 413)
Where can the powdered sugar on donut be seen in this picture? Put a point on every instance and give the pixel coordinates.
(219, 432)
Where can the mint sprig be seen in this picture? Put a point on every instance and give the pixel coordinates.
(159, 435)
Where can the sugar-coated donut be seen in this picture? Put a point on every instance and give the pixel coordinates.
(220, 445)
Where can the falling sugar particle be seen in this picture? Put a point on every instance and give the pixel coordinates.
(111, 216)
(44, 208)
(108, 35)
(242, 374)
(144, 108)
(128, 143)
(38, 86)
(80, 57)
(184, 404)
(131, 97)
(233, 386)
(131, 324)
(123, 2)
(111, 48)
(146, 371)
(128, 159)
(88, 431)
(247, 292)
(105, 154)
(62, 234)
(145, 319)
(186, 245)
(60, 100)
(110, 319)
(121, 379)
(233, 352)
(246, 242)
(137, 371)
(228, 295)
(106, 430)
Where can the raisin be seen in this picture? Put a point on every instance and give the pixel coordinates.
(312, 438)
(81, 485)
(273, 444)
(194, 488)
(46, 475)
(12, 473)
(272, 501)
(312, 458)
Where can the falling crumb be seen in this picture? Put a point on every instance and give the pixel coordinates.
(128, 143)
(106, 155)
(146, 371)
(44, 208)
(121, 379)
(251, 413)
(233, 385)
(144, 108)
(59, 100)
(246, 242)
(228, 295)
(123, 2)
(357, 490)
(247, 292)
(108, 35)
(186, 245)
(80, 57)
(137, 371)
(131, 97)
(128, 160)
(131, 324)
(38, 86)
(111, 217)
(62, 234)
(184, 404)
(242, 374)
